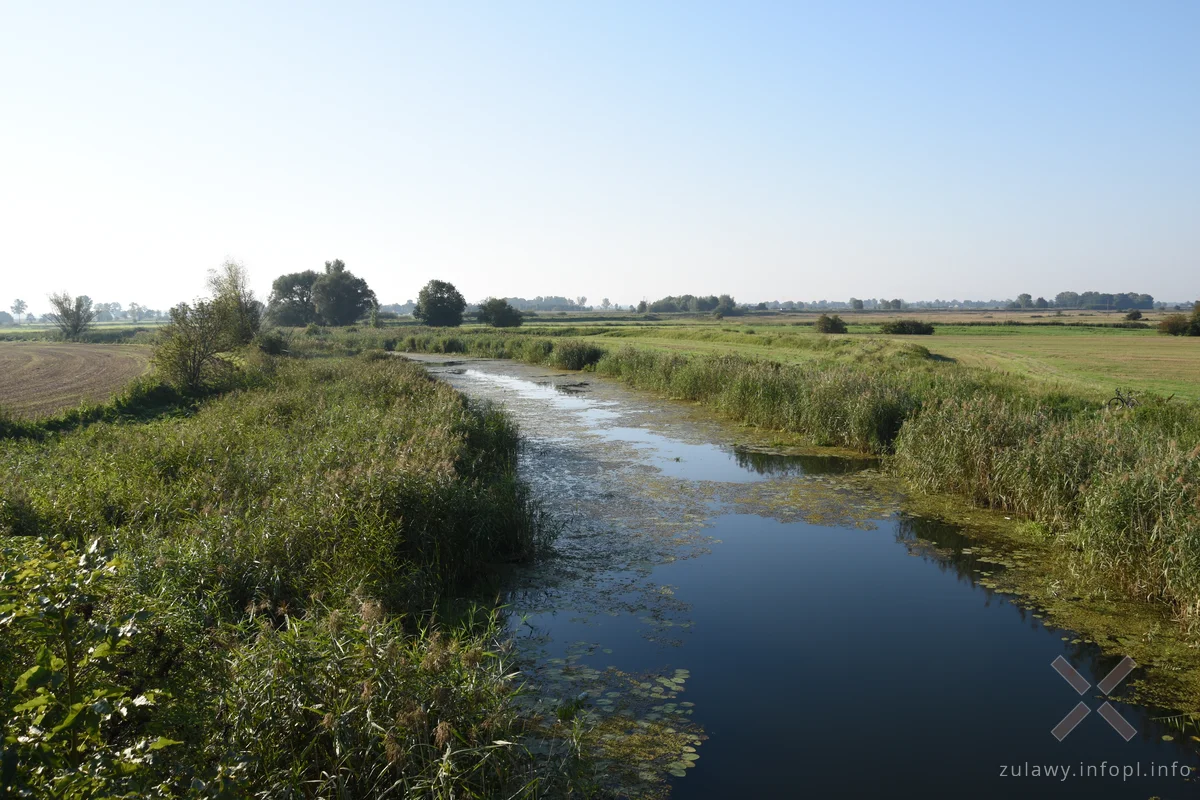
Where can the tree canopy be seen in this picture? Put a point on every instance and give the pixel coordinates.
(333, 297)
(339, 296)
(72, 315)
(234, 301)
(496, 311)
(440, 304)
(291, 300)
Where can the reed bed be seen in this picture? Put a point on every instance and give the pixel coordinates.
(243, 600)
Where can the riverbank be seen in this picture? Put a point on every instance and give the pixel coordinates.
(1118, 486)
(809, 608)
(271, 595)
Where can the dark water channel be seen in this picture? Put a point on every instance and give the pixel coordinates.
(826, 644)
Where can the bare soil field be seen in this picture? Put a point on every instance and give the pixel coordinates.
(38, 379)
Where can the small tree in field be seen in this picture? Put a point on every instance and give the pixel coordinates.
(497, 312)
(18, 308)
(440, 304)
(190, 347)
(828, 324)
(72, 315)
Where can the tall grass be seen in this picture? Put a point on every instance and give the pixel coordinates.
(1121, 487)
(288, 546)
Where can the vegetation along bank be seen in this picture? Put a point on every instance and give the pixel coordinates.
(263, 587)
(1117, 482)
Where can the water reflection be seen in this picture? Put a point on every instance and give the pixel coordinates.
(783, 465)
(824, 660)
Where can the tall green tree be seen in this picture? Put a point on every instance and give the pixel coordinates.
(18, 308)
(233, 299)
(440, 304)
(291, 301)
(339, 297)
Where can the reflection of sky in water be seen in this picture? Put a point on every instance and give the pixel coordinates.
(676, 459)
(672, 457)
(547, 393)
(840, 666)
(825, 661)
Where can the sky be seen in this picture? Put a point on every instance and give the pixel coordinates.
(774, 151)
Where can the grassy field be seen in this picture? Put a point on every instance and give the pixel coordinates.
(1092, 360)
(1077, 351)
(1071, 353)
(40, 379)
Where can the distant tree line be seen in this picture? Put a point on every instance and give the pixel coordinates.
(695, 304)
(1087, 300)
(1101, 300)
(547, 303)
(99, 312)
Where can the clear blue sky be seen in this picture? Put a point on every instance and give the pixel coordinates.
(771, 150)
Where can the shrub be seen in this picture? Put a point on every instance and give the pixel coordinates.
(575, 355)
(498, 313)
(191, 350)
(828, 324)
(1175, 325)
(273, 342)
(1133, 315)
(907, 327)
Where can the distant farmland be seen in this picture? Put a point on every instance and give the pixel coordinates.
(38, 379)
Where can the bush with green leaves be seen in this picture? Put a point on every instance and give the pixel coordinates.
(907, 327)
(193, 351)
(497, 312)
(1175, 325)
(77, 728)
(830, 324)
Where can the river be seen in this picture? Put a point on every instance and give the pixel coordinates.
(783, 625)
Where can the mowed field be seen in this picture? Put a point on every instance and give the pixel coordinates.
(38, 379)
(1081, 358)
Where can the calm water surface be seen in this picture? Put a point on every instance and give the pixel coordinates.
(834, 647)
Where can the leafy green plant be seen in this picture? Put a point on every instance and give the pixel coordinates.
(63, 737)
